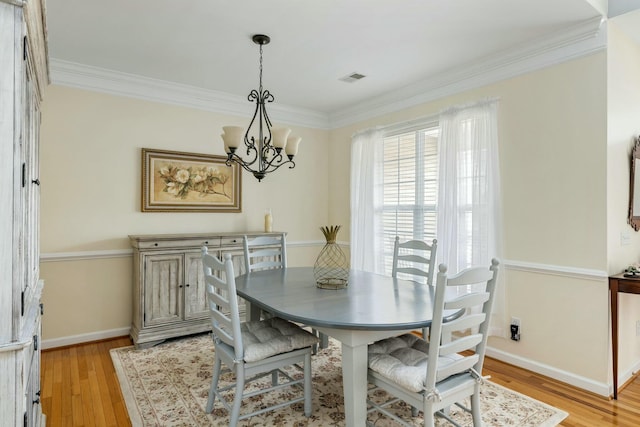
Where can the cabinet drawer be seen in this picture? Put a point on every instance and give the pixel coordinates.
(235, 241)
(186, 243)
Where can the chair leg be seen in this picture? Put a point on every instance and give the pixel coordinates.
(428, 414)
(307, 386)
(475, 407)
(324, 340)
(214, 384)
(425, 334)
(237, 399)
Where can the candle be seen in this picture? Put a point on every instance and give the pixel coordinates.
(268, 222)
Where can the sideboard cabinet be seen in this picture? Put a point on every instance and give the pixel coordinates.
(24, 76)
(169, 296)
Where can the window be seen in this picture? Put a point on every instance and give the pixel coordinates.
(438, 177)
(410, 187)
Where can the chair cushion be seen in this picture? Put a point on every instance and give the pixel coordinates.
(266, 338)
(403, 360)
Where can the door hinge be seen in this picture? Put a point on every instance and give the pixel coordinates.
(144, 317)
(35, 342)
(24, 175)
(24, 48)
(25, 420)
(22, 303)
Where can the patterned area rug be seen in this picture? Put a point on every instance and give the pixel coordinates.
(167, 385)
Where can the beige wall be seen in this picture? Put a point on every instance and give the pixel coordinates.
(623, 93)
(552, 131)
(90, 173)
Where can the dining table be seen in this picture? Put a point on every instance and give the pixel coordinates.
(371, 307)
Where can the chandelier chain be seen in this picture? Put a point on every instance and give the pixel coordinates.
(260, 69)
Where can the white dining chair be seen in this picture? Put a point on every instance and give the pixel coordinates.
(435, 375)
(262, 253)
(251, 350)
(415, 260)
(267, 252)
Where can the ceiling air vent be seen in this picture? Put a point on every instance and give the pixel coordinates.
(353, 77)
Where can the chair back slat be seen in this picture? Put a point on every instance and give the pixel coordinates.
(470, 276)
(265, 252)
(222, 303)
(468, 321)
(456, 367)
(461, 344)
(414, 258)
(467, 301)
(478, 323)
(221, 325)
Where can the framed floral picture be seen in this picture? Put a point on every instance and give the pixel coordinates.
(173, 181)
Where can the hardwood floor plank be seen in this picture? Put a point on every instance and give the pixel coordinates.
(91, 396)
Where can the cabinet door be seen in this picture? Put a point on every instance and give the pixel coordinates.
(163, 288)
(195, 293)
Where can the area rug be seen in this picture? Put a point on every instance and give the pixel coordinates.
(167, 385)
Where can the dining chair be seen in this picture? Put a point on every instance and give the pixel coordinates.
(435, 375)
(415, 260)
(267, 252)
(262, 253)
(251, 350)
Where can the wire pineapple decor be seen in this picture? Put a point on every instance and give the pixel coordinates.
(331, 269)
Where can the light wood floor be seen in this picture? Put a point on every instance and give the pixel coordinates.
(80, 388)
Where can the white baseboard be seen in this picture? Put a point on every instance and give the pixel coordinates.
(82, 338)
(596, 387)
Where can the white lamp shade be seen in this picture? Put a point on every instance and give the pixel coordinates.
(226, 146)
(232, 136)
(292, 145)
(279, 137)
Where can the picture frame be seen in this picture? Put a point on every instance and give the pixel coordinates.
(174, 181)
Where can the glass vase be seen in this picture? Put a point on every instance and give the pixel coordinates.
(331, 270)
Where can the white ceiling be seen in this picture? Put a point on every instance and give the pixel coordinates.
(207, 44)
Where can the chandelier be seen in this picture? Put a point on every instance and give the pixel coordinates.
(263, 143)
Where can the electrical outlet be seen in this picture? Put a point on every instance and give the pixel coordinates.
(625, 238)
(515, 329)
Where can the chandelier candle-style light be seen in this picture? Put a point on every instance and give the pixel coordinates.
(264, 153)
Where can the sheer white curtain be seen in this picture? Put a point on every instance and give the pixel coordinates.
(366, 201)
(469, 205)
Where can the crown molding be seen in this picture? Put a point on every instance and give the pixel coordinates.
(582, 39)
(98, 79)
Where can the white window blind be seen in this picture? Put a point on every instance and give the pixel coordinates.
(410, 187)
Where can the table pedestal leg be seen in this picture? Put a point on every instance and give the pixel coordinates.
(354, 376)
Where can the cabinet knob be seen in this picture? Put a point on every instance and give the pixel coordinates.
(206, 243)
(180, 286)
(155, 244)
(36, 181)
(41, 309)
(187, 285)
